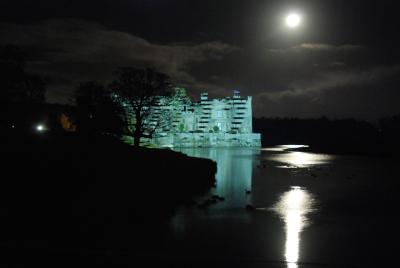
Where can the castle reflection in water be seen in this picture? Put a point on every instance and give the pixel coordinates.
(234, 172)
(239, 167)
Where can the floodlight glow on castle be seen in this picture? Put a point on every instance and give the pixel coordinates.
(223, 122)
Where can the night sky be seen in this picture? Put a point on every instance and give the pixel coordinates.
(343, 61)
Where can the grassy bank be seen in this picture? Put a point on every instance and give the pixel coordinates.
(71, 191)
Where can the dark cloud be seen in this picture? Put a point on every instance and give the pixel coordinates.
(337, 64)
(69, 51)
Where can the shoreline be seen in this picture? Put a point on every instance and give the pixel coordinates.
(93, 191)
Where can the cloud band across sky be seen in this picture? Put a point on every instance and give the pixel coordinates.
(308, 79)
(69, 51)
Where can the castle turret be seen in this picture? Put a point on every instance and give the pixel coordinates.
(204, 96)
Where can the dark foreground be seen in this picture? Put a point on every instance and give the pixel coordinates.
(89, 201)
(80, 202)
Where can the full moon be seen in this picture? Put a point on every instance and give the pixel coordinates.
(293, 20)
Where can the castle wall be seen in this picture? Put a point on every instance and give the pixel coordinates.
(208, 123)
(187, 140)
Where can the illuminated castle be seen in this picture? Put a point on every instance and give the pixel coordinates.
(207, 123)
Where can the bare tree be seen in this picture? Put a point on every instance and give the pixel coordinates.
(97, 111)
(140, 90)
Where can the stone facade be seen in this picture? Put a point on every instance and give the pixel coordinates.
(207, 123)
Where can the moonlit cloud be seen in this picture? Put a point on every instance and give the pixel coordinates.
(334, 81)
(317, 47)
(307, 79)
(336, 93)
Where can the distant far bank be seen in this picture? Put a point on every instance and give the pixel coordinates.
(346, 136)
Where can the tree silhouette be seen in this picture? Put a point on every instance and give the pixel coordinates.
(35, 89)
(16, 84)
(140, 91)
(98, 112)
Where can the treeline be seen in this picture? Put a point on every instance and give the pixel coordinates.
(119, 108)
(17, 84)
(22, 94)
(346, 136)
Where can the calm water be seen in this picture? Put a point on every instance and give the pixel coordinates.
(290, 209)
